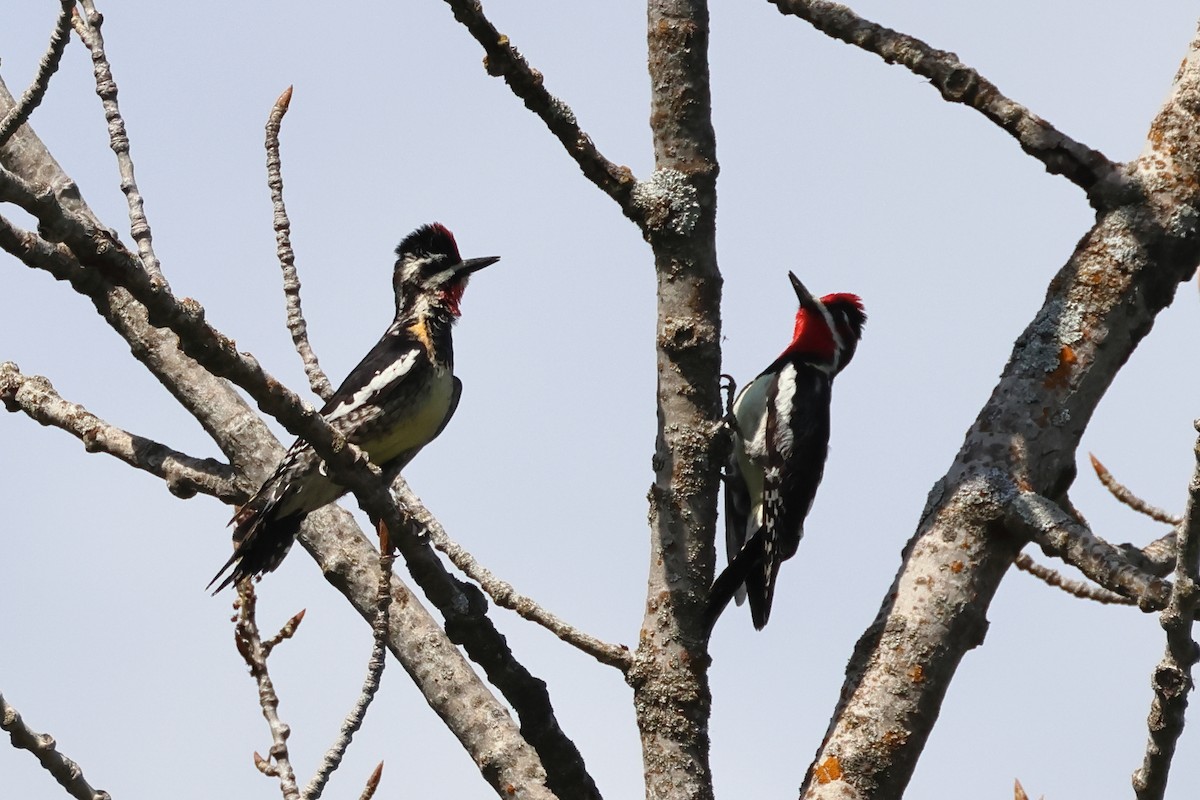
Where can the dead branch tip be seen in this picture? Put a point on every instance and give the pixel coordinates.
(372, 783)
(284, 100)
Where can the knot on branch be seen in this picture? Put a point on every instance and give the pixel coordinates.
(987, 492)
(667, 202)
(960, 84)
(1171, 681)
(9, 384)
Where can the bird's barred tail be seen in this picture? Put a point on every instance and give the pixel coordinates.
(760, 582)
(747, 563)
(260, 542)
(753, 569)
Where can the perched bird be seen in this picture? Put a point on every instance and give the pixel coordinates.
(396, 401)
(780, 437)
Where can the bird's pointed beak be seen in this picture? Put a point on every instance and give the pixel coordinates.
(470, 265)
(803, 295)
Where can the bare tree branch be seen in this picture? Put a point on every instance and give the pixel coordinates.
(88, 28)
(507, 759)
(287, 258)
(184, 475)
(99, 249)
(470, 711)
(218, 353)
(250, 646)
(342, 550)
(1097, 309)
(224, 415)
(1172, 679)
(678, 207)
(958, 83)
(354, 720)
(42, 745)
(32, 98)
(435, 665)
(1130, 499)
(1080, 589)
(464, 607)
(1059, 534)
(502, 593)
(504, 60)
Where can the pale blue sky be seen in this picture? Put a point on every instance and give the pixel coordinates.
(852, 173)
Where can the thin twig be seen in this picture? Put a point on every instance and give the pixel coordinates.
(106, 87)
(249, 644)
(502, 593)
(958, 83)
(504, 60)
(354, 720)
(42, 745)
(1130, 499)
(32, 97)
(1172, 678)
(286, 632)
(184, 475)
(287, 257)
(372, 783)
(1079, 589)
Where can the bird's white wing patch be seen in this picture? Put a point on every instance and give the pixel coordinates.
(785, 394)
(750, 411)
(384, 378)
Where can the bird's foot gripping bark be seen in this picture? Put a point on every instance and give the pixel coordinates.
(729, 387)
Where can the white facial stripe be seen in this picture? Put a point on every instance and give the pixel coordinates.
(411, 270)
(839, 344)
(391, 373)
(439, 278)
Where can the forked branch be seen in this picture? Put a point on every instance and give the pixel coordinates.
(191, 359)
(1020, 449)
(1059, 534)
(250, 645)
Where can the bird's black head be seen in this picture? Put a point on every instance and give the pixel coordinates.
(430, 271)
